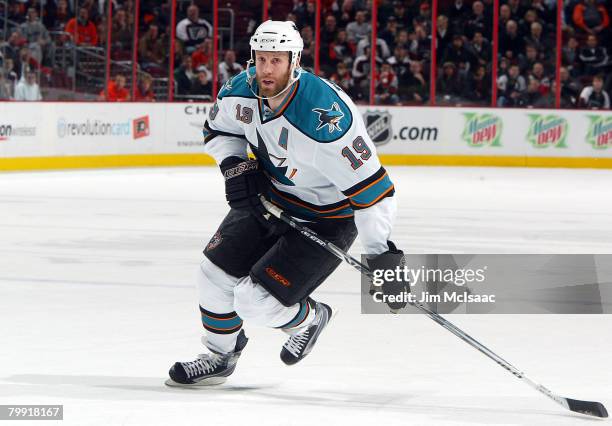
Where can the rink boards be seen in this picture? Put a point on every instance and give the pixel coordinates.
(53, 135)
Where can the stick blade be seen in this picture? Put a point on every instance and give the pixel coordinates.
(590, 408)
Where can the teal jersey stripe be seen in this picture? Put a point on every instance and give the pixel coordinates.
(369, 196)
(223, 324)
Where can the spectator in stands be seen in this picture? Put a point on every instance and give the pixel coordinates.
(201, 85)
(511, 87)
(458, 15)
(401, 15)
(450, 85)
(13, 45)
(342, 77)
(184, 75)
(504, 15)
(6, 92)
(144, 89)
(38, 38)
(193, 30)
(389, 33)
(400, 61)
(60, 17)
(152, 49)
(382, 49)
(480, 49)
(345, 14)
(116, 90)
(362, 72)
(531, 96)
(570, 89)
(527, 60)
(594, 97)
(328, 36)
(340, 50)
(307, 58)
(593, 56)
(403, 39)
(25, 62)
(542, 10)
(459, 55)
(9, 73)
(328, 33)
(82, 31)
(121, 33)
(306, 14)
(477, 21)
(503, 66)
(511, 44)
(423, 19)
(27, 89)
(535, 37)
(229, 67)
(525, 24)
(443, 36)
(570, 55)
(591, 17)
(420, 46)
(359, 28)
(537, 73)
(478, 85)
(516, 9)
(412, 84)
(203, 54)
(386, 86)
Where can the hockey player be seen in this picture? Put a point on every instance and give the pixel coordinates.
(315, 160)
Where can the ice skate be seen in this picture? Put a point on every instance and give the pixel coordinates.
(207, 369)
(301, 343)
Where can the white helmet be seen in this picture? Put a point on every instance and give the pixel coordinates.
(277, 36)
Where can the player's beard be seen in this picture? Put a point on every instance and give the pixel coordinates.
(279, 85)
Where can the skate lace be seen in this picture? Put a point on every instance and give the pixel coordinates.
(296, 343)
(203, 365)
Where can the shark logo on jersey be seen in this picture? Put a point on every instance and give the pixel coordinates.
(228, 84)
(330, 117)
(275, 166)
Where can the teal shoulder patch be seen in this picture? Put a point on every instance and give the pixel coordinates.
(318, 111)
(237, 86)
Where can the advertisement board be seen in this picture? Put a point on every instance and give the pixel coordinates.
(59, 135)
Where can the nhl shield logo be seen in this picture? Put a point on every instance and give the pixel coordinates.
(378, 124)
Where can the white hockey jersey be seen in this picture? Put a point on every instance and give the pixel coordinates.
(315, 148)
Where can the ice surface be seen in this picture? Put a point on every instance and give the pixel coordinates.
(97, 301)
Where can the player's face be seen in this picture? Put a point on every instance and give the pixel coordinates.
(271, 72)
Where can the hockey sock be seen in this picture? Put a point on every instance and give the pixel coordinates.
(222, 330)
(305, 315)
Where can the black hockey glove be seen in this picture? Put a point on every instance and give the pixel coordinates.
(390, 259)
(244, 183)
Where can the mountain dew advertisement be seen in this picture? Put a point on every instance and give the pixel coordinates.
(482, 130)
(599, 133)
(547, 130)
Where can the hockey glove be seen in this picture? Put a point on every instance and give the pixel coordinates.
(244, 182)
(390, 259)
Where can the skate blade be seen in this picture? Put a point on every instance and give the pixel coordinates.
(201, 384)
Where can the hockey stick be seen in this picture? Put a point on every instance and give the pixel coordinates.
(590, 408)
